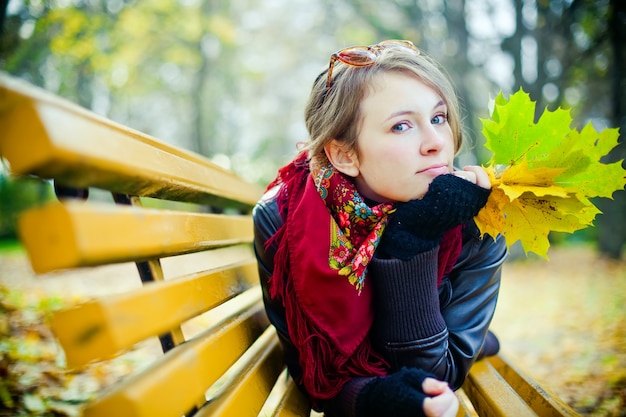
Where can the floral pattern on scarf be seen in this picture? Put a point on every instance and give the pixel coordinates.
(355, 221)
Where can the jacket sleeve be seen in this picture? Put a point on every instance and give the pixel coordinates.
(440, 332)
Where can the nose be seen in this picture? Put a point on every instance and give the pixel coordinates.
(432, 141)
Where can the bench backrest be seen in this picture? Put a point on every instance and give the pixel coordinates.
(236, 360)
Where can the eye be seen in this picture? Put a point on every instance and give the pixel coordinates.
(439, 119)
(401, 127)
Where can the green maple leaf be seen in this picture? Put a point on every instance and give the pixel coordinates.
(512, 133)
(585, 174)
(544, 173)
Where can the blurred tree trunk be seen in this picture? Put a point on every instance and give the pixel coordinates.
(612, 224)
(513, 45)
(3, 10)
(455, 16)
(200, 137)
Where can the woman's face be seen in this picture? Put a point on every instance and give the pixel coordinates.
(405, 140)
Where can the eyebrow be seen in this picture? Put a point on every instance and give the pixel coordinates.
(403, 112)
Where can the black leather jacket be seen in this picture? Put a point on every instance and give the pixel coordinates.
(467, 298)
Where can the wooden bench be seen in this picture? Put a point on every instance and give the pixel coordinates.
(234, 366)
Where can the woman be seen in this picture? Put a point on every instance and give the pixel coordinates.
(373, 272)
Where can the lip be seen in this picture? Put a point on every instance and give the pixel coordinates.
(435, 170)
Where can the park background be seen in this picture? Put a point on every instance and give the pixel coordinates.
(229, 80)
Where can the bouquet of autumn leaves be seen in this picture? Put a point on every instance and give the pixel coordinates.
(543, 174)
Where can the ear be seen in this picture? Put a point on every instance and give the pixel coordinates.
(343, 160)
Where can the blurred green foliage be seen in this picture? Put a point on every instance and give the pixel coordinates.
(17, 195)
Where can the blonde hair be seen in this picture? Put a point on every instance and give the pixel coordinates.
(334, 113)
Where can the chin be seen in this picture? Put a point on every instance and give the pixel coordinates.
(414, 197)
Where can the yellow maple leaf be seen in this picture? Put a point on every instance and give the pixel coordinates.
(530, 219)
(519, 179)
(490, 219)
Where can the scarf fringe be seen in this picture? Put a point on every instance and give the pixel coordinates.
(324, 369)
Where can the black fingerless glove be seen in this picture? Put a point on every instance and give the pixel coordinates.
(418, 225)
(399, 394)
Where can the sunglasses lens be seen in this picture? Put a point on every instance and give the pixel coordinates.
(362, 56)
(357, 56)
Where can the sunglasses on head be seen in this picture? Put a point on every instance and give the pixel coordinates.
(363, 56)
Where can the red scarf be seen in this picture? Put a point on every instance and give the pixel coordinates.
(328, 238)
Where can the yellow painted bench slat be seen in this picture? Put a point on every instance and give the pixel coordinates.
(100, 328)
(543, 402)
(492, 395)
(466, 409)
(245, 394)
(173, 385)
(292, 402)
(74, 234)
(79, 148)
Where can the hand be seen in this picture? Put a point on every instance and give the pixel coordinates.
(442, 402)
(418, 225)
(398, 394)
(476, 175)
